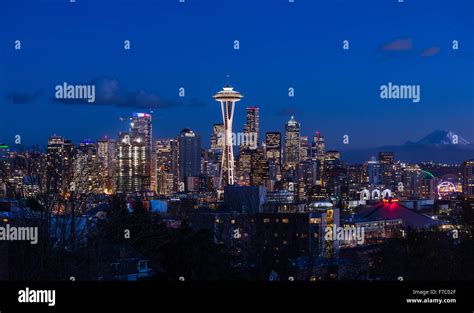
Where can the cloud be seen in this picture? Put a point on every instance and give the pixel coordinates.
(108, 91)
(400, 44)
(429, 52)
(22, 97)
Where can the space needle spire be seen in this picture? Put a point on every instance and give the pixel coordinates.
(227, 97)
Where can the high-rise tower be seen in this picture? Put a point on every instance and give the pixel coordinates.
(318, 147)
(292, 143)
(252, 128)
(106, 152)
(142, 146)
(189, 158)
(134, 170)
(273, 154)
(140, 127)
(59, 161)
(227, 98)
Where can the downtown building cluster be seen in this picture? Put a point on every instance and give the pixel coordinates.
(287, 163)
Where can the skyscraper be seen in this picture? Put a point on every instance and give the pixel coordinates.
(410, 187)
(134, 156)
(318, 147)
(88, 171)
(273, 154)
(174, 143)
(252, 128)
(308, 172)
(227, 98)
(248, 145)
(304, 148)
(142, 146)
(141, 160)
(140, 127)
(189, 154)
(318, 153)
(124, 164)
(245, 166)
(332, 160)
(106, 151)
(426, 186)
(59, 164)
(292, 143)
(389, 177)
(375, 172)
(164, 172)
(259, 171)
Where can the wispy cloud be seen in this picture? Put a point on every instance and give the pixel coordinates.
(399, 44)
(429, 52)
(23, 97)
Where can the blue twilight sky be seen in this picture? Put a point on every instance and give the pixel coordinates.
(282, 45)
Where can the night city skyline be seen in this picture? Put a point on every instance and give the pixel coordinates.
(195, 155)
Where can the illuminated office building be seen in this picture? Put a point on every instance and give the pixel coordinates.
(164, 163)
(411, 175)
(88, 170)
(259, 173)
(292, 143)
(141, 142)
(245, 166)
(134, 156)
(318, 147)
(375, 172)
(124, 168)
(273, 154)
(252, 128)
(140, 128)
(332, 160)
(59, 163)
(304, 148)
(106, 151)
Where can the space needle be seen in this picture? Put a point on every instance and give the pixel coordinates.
(227, 98)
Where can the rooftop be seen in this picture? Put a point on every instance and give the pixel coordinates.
(388, 210)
